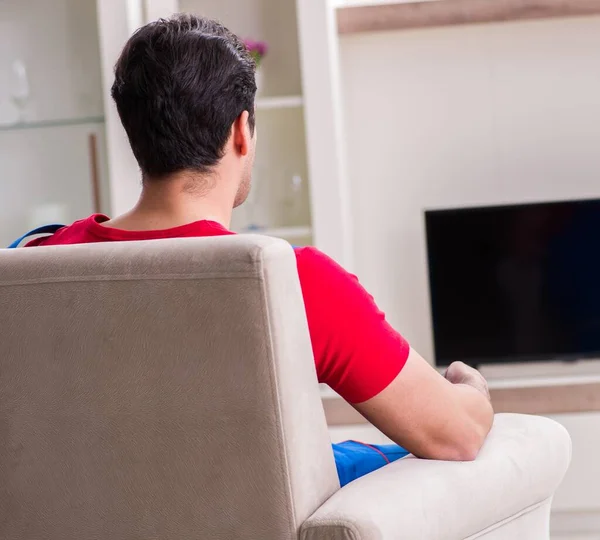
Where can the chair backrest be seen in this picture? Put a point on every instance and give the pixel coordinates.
(162, 389)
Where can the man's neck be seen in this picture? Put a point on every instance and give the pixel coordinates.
(169, 203)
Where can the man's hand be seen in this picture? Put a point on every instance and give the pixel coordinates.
(460, 373)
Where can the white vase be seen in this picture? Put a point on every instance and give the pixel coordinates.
(20, 91)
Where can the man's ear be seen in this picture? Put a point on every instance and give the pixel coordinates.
(241, 134)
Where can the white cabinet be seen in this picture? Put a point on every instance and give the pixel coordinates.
(51, 114)
(63, 152)
(279, 202)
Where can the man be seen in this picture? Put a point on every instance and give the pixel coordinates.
(185, 89)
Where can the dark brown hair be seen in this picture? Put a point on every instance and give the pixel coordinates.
(180, 83)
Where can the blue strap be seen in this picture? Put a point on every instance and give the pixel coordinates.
(44, 229)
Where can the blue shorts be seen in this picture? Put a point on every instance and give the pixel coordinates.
(355, 459)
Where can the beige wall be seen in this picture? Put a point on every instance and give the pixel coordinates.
(462, 116)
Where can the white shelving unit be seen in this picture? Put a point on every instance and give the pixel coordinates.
(280, 203)
(52, 132)
(319, 55)
(299, 116)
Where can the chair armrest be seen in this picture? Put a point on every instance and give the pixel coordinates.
(520, 466)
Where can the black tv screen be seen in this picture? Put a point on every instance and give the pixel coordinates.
(515, 283)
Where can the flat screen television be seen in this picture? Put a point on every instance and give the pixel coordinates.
(515, 283)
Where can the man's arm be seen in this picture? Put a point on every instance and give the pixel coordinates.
(360, 356)
(430, 416)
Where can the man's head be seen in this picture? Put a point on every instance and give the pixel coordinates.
(184, 88)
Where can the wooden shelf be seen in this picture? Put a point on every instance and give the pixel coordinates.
(283, 102)
(421, 14)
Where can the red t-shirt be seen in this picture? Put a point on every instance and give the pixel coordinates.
(357, 353)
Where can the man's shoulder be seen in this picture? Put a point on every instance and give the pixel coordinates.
(310, 259)
(76, 233)
(319, 271)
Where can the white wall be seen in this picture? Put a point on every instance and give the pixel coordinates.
(461, 116)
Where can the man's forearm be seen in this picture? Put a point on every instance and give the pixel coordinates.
(461, 430)
(479, 415)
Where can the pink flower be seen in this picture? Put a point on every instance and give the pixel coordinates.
(257, 49)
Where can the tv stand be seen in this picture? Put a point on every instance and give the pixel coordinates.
(542, 370)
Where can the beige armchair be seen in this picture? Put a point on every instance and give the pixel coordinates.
(166, 390)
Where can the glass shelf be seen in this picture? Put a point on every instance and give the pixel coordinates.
(282, 102)
(287, 233)
(42, 124)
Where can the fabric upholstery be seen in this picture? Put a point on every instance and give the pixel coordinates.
(529, 524)
(516, 474)
(158, 390)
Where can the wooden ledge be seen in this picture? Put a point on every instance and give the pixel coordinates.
(423, 14)
(559, 399)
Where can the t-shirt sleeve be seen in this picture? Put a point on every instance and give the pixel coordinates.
(357, 353)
